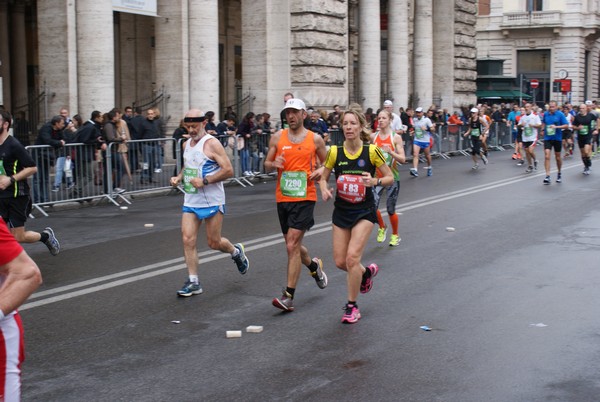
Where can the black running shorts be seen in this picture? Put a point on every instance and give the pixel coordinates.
(15, 211)
(296, 215)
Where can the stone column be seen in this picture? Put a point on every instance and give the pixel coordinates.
(256, 57)
(57, 47)
(369, 52)
(397, 63)
(18, 56)
(5, 96)
(423, 54)
(172, 58)
(203, 22)
(444, 62)
(95, 56)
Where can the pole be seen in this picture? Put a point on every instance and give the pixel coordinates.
(520, 89)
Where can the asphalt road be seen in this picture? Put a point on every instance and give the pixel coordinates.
(511, 297)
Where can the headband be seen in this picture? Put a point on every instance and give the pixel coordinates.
(194, 119)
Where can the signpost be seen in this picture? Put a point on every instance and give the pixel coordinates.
(533, 83)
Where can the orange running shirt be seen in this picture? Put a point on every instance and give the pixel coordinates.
(293, 184)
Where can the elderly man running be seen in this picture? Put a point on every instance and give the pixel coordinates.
(206, 165)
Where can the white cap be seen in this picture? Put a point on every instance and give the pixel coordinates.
(474, 110)
(295, 103)
(419, 109)
(388, 103)
(588, 102)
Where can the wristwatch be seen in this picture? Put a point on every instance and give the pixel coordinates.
(205, 181)
(12, 180)
(379, 182)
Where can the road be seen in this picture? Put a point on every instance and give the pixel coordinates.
(511, 297)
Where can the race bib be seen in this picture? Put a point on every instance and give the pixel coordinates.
(351, 188)
(2, 171)
(475, 132)
(550, 131)
(293, 184)
(528, 131)
(584, 130)
(188, 175)
(419, 132)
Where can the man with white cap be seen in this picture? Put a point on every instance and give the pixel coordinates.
(396, 121)
(422, 141)
(296, 153)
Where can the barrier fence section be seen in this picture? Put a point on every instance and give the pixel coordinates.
(81, 172)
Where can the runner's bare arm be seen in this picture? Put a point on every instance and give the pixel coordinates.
(270, 163)
(22, 278)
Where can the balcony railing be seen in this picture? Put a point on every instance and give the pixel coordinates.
(535, 18)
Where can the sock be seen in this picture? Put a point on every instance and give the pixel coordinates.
(313, 266)
(194, 278)
(235, 252)
(394, 222)
(44, 237)
(380, 221)
(290, 291)
(352, 303)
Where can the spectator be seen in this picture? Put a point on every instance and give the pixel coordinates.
(333, 121)
(244, 133)
(89, 135)
(112, 136)
(50, 134)
(180, 135)
(150, 130)
(210, 127)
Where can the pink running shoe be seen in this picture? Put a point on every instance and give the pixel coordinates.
(351, 314)
(367, 284)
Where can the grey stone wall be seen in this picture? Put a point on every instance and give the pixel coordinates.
(465, 49)
(319, 42)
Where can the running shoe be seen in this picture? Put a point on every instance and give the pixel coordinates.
(475, 166)
(319, 274)
(284, 303)
(521, 162)
(535, 165)
(413, 172)
(519, 155)
(429, 170)
(547, 180)
(529, 169)
(52, 242)
(586, 171)
(484, 158)
(351, 314)
(367, 283)
(394, 240)
(559, 178)
(381, 235)
(514, 156)
(241, 260)
(189, 288)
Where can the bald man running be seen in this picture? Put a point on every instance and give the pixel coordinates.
(206, 165)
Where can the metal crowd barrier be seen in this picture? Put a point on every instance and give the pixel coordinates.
(80, 172)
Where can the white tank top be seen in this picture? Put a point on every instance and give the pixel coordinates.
(197, 164)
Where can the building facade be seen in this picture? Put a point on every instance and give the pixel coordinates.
(94, 54)
(544, 41)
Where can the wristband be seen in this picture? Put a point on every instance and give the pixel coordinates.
(379, 182)
(205, 181)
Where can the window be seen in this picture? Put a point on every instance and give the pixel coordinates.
(535, 5)
(484, 7)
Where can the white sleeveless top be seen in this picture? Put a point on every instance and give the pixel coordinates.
(197, 164)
